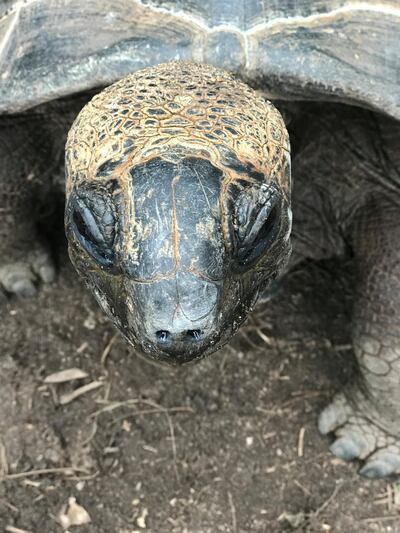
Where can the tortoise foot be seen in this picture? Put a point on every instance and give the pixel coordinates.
(21, 277)
(357, 437)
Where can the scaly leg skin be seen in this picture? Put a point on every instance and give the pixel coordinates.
(365, 417)
(24, 153)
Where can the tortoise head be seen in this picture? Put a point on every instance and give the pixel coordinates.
(178, 209)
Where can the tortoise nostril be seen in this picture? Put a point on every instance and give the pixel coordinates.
(162, 335)
(193, 334)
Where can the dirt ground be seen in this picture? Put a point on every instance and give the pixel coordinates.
(227, 445)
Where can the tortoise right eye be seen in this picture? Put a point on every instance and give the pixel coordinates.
(256, 225)
(93, 224)
(261, 236)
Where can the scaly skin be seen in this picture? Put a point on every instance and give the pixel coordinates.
(178, 105)
(350, 161)
(366, 416)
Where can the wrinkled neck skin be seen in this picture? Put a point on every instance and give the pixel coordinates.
(177, 239)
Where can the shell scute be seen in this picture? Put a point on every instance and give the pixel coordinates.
(199, 108)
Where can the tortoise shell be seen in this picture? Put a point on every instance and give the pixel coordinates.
(333, 50)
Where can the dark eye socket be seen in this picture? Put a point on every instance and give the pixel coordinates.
(260, 238)
(85, 229)
(93, 225)
(255, 228)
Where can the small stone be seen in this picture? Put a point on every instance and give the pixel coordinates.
(90, 322)
(73, 514)
(249, 441)
(376, 365)
(141, 520)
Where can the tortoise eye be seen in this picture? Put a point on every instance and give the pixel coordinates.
(262, 235)
(93, 225)
(256, 228)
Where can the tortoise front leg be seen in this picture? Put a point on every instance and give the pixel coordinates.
(24, 259)
(365, 417)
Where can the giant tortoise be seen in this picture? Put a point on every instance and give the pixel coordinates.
(179, 196)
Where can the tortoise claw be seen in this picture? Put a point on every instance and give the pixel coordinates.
(346, 448)
(333, 416)
(381, 464)
(357, 437)
(21, 277)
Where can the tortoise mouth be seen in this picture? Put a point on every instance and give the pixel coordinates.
(184, 351)
(176, 353)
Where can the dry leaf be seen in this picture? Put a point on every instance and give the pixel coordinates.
(65, 375)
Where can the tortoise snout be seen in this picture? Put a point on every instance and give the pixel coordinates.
(178, 317)
(182, 346)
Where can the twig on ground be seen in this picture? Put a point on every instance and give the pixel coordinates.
(71, 396)
(390, 498)
(110, 406)
(328, 501)
(247, 339)
(300, 445)
(42, 472)
(304, 489)
(84, 478)
(10, 506)
(233, 512)
(3, 460)
(173, 445)
(380, 518)
(266, 339)
(107, 350)
(12, 529)
(92, 433)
